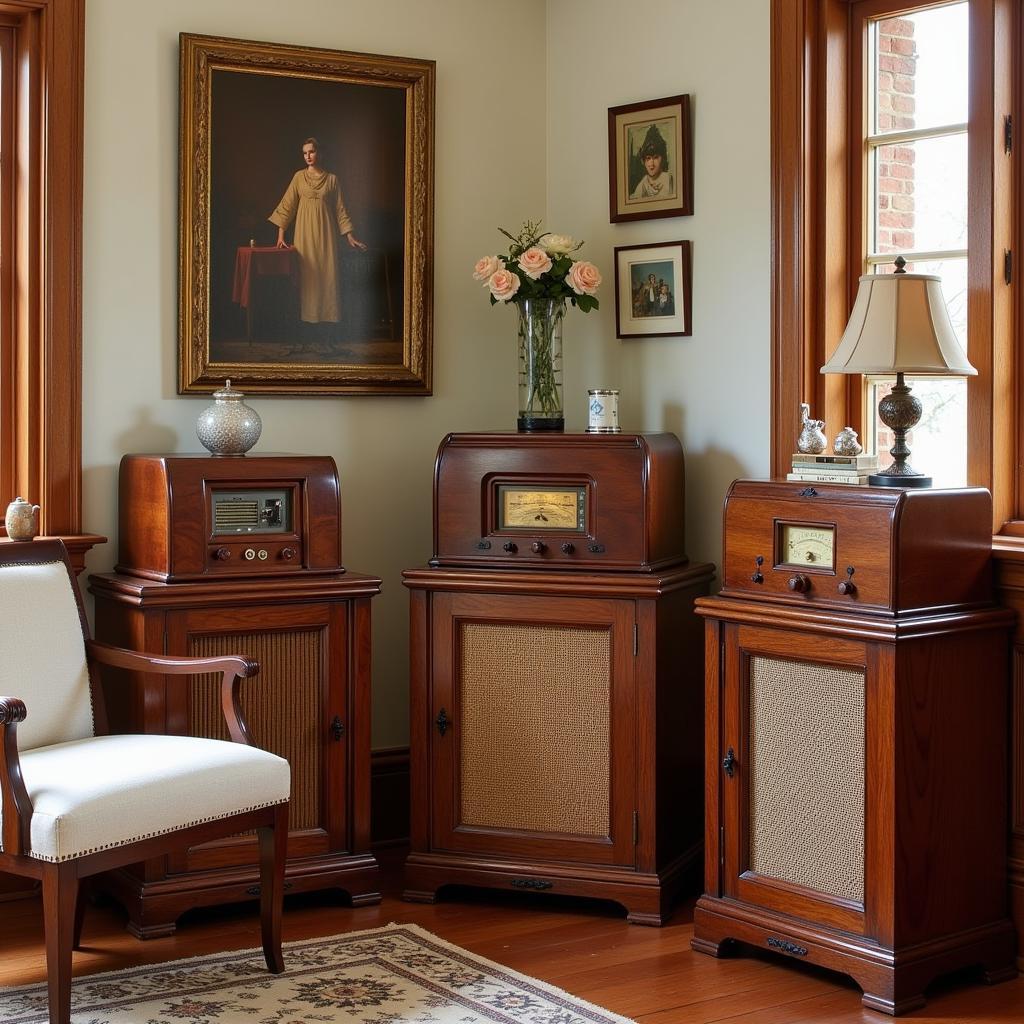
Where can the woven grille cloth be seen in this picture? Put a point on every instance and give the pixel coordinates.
(535, 704)
(807, 775)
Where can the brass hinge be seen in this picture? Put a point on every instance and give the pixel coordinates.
(636, 639)
(1008, 133)
(1008, 266)
(636, 827)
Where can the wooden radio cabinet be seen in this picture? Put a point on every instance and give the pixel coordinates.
(556, 717)
(243, 556)
(857, 701)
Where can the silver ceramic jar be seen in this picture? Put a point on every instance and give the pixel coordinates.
(229, 426)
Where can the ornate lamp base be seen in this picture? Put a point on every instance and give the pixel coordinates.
(900, 411)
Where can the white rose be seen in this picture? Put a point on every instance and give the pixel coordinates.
(557, 244)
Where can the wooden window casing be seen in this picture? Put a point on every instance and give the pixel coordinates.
(41, 125)
(819, 196)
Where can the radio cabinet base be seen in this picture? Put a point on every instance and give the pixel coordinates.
(647, 897)
(891, 983)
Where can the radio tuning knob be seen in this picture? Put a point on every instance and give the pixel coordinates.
(568, 547)
(801, 584)
(510, 547)
(288, 554)
(262, 554)
(848, 588)
(538, 547)
(222, 554)
(249, 554)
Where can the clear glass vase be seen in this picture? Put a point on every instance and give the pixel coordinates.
(540, 364)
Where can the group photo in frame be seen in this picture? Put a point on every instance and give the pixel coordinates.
(653, 290)
(650, 160)
(306, 219)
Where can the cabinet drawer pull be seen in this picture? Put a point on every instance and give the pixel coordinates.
(443, 721)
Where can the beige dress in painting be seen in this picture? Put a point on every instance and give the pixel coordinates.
(321, 221)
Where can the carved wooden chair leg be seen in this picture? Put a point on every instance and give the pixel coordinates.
(84, 888)
(60, 889)
(273, 845)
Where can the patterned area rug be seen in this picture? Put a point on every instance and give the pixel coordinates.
(400, 974)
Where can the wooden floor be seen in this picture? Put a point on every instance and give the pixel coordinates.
(648, 974)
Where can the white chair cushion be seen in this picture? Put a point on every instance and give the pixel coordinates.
(107, 791)
(42, 653)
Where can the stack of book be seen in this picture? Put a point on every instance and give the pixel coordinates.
(833, 469)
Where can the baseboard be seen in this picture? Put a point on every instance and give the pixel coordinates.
(389, 796)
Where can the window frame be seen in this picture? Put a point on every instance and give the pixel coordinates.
(819, 230)
(41, 287)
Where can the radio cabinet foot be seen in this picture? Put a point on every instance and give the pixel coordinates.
(997, 975)
(145, 932)
(365, 899)
(419, 895)
(893, 1007)
(655, 920)
(716, 949)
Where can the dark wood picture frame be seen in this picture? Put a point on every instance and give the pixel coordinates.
(246, 310)
(663, 312)
(663, 127)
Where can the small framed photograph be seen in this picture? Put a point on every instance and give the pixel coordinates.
(650, 160)
(653, 285)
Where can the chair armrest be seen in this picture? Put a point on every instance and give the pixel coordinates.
(16, 803)
(233, 669)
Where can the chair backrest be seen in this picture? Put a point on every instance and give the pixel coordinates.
(42, 644)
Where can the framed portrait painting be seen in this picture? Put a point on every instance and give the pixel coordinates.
(650, 160)
(653, 289)
(306, 219)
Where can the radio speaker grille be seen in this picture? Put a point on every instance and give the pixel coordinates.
(535, 715)
(282, 706)
(807, 775)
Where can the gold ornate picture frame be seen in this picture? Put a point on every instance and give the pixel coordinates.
(306, 219)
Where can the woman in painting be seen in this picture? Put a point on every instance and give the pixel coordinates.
(657, 182)
(313, 201)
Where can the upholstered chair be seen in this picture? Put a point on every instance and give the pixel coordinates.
(75, 800)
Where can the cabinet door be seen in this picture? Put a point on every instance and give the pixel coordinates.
(533, 734)
(796, 728)
(301, 687)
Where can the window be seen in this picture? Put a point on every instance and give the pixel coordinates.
(887, 139)
(916, 205)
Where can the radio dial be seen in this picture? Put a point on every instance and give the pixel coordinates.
(249, 554)
(568, 547)
(222, 554)
(288, 554)
(538, 547)
(801, 584)
(262, 554)
(510, 547)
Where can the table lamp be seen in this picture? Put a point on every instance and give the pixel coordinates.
(899, 324)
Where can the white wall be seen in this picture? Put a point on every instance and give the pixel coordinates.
(711, 389)
(522, 98)
(384, 447)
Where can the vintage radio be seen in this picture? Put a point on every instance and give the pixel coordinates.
(873, 549)
(188, 517)
(588, 501)
(856, 702)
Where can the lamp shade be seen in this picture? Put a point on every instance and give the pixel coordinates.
(899, 324)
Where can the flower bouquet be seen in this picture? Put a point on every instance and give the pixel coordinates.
(538, 275)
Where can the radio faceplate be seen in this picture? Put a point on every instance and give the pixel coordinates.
(189, 517)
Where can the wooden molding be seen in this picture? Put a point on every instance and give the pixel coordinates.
(47, 295)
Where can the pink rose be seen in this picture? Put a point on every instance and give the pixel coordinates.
(503, 284)
(534, 262)
(584, 278)
(485, 266)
